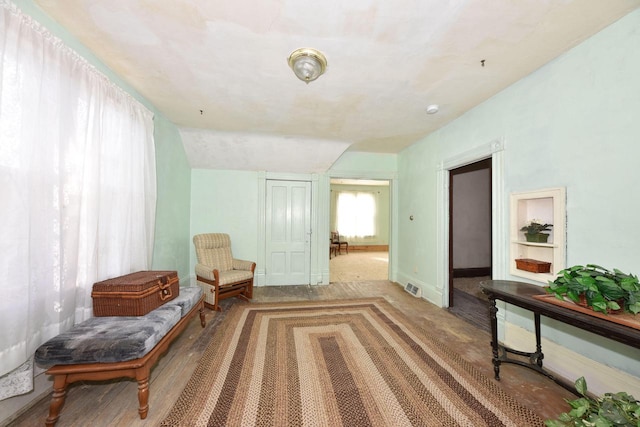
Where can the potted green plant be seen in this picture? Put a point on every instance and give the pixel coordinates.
(611, 409)
(596, 287)
(533, 231)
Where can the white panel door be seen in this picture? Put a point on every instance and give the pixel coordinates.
(288, 233)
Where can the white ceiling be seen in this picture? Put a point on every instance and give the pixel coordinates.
(218, 69)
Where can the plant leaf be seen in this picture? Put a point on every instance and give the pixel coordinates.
(629, 285)
(587, 282)
(634, 308)
(600, 306)
(579, 411)
(581, 386)
(600, 422)
(612, 305)
(564, 417)
(612, 413)
(605, 279)
(573, 296)
(610, 290)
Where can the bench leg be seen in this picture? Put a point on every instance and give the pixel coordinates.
(142, 376)
(57, 399)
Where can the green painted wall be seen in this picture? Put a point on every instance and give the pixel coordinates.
(226, 202)
(572, 123)
(173, 174)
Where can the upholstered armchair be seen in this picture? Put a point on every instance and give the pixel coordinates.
(218, 273)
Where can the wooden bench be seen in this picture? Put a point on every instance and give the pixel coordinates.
(138, 368)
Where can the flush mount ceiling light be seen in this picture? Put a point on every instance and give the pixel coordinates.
(432, 109)
(307, 64)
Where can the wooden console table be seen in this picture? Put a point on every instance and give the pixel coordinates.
(521, 295)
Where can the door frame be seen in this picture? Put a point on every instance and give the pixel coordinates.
(499, 261)
(324, 216)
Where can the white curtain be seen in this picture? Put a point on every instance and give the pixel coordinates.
(356, 214)
(77, 185)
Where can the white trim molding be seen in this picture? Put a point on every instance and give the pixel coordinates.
(392, 177)
(495, 150)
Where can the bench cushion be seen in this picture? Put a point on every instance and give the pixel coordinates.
(116, 338)
(189, 296)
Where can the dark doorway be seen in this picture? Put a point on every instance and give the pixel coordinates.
(470, 244)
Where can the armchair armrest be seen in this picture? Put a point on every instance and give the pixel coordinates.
(205, 271)
(239, 264)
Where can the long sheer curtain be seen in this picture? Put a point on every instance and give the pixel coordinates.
(77, 188)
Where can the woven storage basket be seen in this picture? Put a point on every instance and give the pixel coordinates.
(134, 294)
(533, 265)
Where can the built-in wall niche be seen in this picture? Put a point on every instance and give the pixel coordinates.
(540, 262)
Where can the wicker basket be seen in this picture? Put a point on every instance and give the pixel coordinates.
(134, 294)
(533, 265)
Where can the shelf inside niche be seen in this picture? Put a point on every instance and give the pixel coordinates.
(542, 245)
(547, 207)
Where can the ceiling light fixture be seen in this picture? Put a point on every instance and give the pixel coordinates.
(307, 64)
(432, 109)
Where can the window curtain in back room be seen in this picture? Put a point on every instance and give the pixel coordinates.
(77, 184)
(356, 214)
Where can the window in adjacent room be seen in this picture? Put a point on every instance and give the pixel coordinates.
(356, 214)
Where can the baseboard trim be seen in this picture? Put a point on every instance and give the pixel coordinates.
(569, 365)
(429, 292)
(472, 272)
(369, 248)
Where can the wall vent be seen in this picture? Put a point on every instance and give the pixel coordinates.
(413, 290)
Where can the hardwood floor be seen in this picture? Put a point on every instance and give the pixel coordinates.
(114, 403)
(359, 266)
(472, 309)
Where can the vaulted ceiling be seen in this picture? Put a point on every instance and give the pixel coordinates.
(218, 69)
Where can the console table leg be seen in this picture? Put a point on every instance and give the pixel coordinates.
(539, 355)
(493, 310)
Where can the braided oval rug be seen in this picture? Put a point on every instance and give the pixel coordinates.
(330, 363)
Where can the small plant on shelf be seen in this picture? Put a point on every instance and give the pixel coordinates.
(612, 409)
(533, 231)
(596, 287)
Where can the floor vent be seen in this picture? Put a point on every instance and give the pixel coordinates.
(413, 290)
